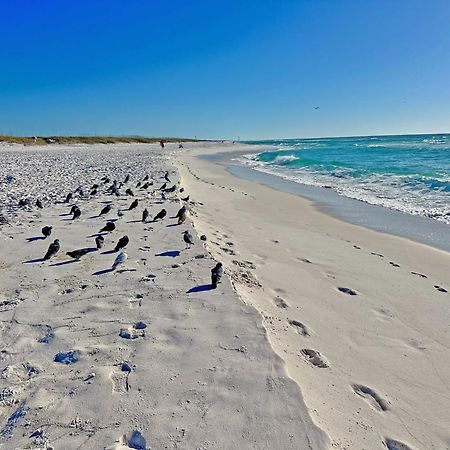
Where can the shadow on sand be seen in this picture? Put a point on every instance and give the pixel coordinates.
(201, 288)
(103, 272)
(35, 238)
(34, 261)
(172, 253)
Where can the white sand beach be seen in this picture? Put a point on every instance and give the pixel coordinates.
(321, 334)
(151, 358)
(374, 368)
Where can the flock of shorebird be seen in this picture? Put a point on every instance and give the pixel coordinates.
(114, 189)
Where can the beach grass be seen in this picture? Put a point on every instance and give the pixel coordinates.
(45, 140)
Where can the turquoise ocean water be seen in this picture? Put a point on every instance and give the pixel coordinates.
(406, 173)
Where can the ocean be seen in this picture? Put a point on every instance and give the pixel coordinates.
(406, 173)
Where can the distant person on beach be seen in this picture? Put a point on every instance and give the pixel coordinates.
(216, 275)
(161, 143)
(180, 146)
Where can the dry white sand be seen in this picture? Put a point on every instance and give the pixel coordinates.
(157, 367)
(374, 368)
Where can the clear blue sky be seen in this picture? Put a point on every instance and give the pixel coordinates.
(222, 69)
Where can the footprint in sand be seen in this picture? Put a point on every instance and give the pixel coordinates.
(299, 327)
(440, 289)
(358, 248)
(392, 444)
(371, 397)
(421, 275)
(315, 358)
(347, 291)
(120, 381)
(280, 303)
(377, 254)
(393, 264)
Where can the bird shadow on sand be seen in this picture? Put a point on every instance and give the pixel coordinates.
(171, 253)
(103, 272)
(201, 288)
(107, 202)
(173, 225)
(134, 221)
(34, 261)
(63, 263)
(108, 252)
(97, 234)
(35, 238)
(65, 215)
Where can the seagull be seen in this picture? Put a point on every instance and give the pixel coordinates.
(68, 197)
(129, 192)
(185, 199)
(138, 184)
(146, 185)
(160, 215)
(166, 176)
(182, 217)
(119, 213)
(47, 231)
(316, 107)
(127, 178)
(121, 243)
(77, 254)
(181, 211)
(105, 210)
(73, 209)
(39, 204)
(99, 240)
(120, 259)
(93, 192)
(133, 205)
(145, 178)
(53, 249)
(187, 237)
(145, 215)
(110, 226)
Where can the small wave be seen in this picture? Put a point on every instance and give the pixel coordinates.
(285, 158)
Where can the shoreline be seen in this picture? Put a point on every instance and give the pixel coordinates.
(419, 229)
(370, 366)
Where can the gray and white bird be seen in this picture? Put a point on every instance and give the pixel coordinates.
(53, 249)
(188, 239)
(119, 213)
(121, 243)
(47, 231)
(99, 241)
(105, 210)
(120, 259)
(39, 204)
(145, 215)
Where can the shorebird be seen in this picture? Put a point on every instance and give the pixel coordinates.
(160, 215)
(99, 240)
(76, 213)
(216, 275)
(133, 205)
(110, 226)
(105, 210)
(39, 204)
(129, 192)
(77, 254)
(185, 199)
(145, 215)
(47, 231)
(121, 243)
(53, 249)
(120, 259)
(188, 239)
(68, 197)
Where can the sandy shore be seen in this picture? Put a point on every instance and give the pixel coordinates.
(150, 357)
(360, 318)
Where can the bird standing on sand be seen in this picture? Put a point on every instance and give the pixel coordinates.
(181, 211)
(119, 213)
(171, 189)
(93, 192)
(160, 215)
(166, 176)
(76, 213)
(133, 205)
(127, 178)
(99, 241)
(216, 275)
(121, 243)
(105, 210)
(187, 237)
(145, 215)
(185, 199)
(138, 184)
(39, 204)
(182, 217)
(120, 259)
(110, 226)
(145, 178)
(47, 231)
(146, 185)
(68, 197)
(129, 192)
(77, 254)
(74, 207)
(53, 249)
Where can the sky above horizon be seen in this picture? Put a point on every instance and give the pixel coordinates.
(255, 69)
